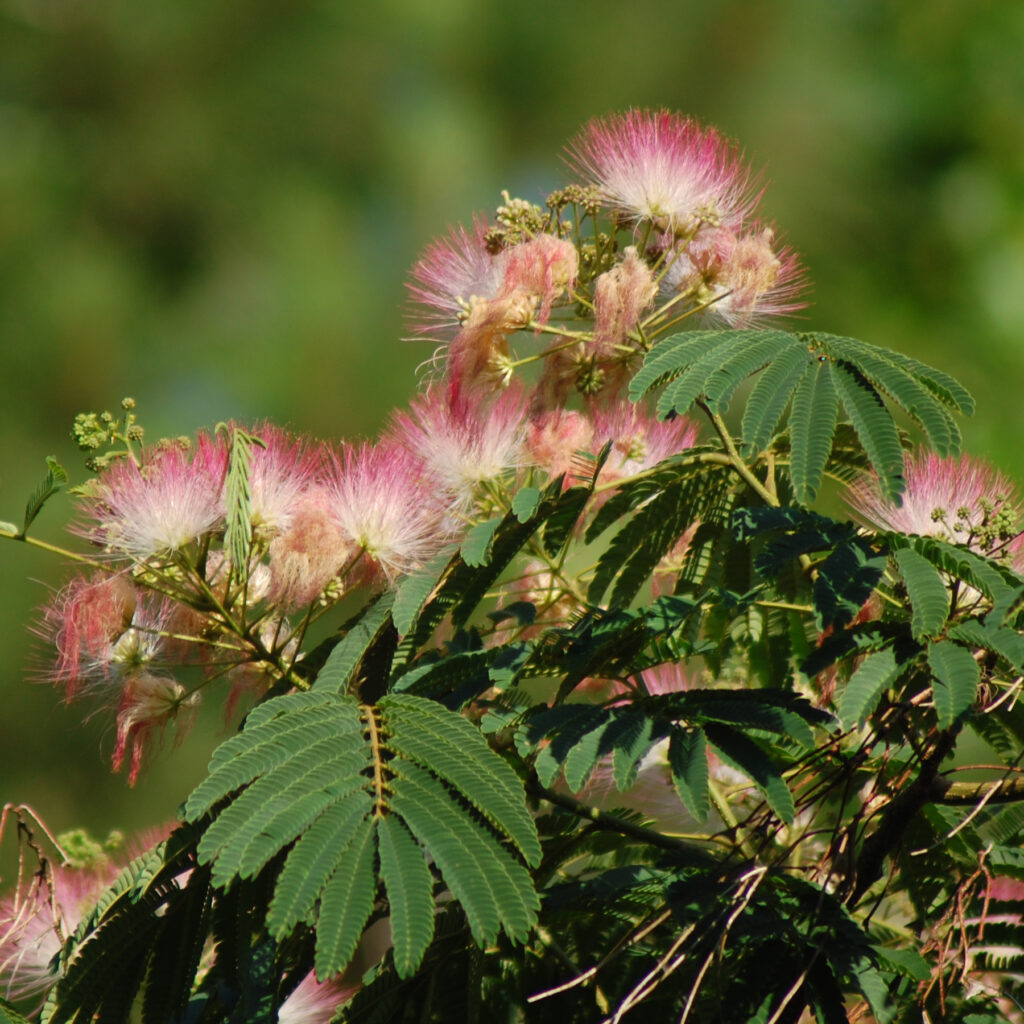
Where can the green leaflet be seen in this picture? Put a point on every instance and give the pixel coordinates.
(671, 356)
(410, 889)
(8, 1015)
(56, 478)
(346, 903)
(494, 889)
(238, 497)
(955, 679)
(929, 597)
(338, 770)
(743, 754)
(770, 395)
(476, 548)
(341, 667)
(876, 673)
(812, 422)
(874, 426)
(688, 760)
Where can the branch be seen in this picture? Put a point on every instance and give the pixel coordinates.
(958, 794)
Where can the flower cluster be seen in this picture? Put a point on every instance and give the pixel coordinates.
(660, 226)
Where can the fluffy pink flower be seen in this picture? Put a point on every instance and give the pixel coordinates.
(556, 436)
(34, 924)
(388, 504)
(639, 440)
(314, 1002)
(452, 275)
(667, 169)
(84, 621)
(620, 296)
(462, 439)
(540, 269)
(309, 552)
(962, 500)
(742, 279)
(148, 703)
(155, 509)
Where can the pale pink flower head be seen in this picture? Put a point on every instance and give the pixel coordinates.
(452, 276)
(390, 506)
(742, 279)
(665, 168)
(309, 553)
(620, 296)
(555, 437)
(314, 1002)
(158, 508)
(148, 703)
(639, 440)
(35, 922)
(540, 269)
(462, 438)
(84, 621)
(962, 500)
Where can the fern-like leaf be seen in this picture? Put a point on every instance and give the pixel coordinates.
(409, 887)
(929, 597)
(875, 674)
(770, 395)
(346, 903)
(955, 679)
(688, 760)
(812, 422)
(56, 478)
(874, 426)
(743, 754)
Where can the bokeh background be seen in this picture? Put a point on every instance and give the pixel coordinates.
(212, 207)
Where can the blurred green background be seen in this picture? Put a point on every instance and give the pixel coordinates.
(213, 207)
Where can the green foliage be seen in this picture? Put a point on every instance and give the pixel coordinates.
(55, 480)
(587, 760)
(812, 372)
(322, 776)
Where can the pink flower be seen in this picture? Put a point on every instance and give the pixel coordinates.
(84, 621)
(35, 922)
(309, 552)
(158, 508)
(314, 1002)
(960, 500)
(620, 296)
(388, 504)
(540, 270)
(664, 168)
(463, 439)
(556, 436)
(639, 441)
(741, 279)
(452, 275)
(148, 703)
